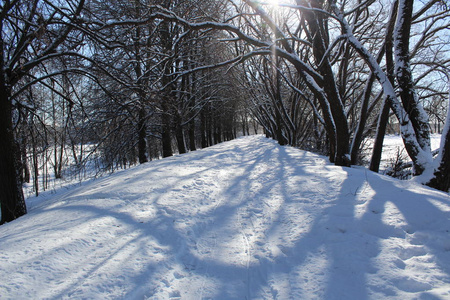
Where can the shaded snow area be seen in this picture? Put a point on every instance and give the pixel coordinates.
(246, 219)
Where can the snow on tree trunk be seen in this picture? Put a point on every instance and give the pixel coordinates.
(418, 116)
(384, 114)
(441, 179)
(318, 28)
(421, 157)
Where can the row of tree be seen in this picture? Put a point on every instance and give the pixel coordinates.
(122, 82)
(334, 71)
(76, 91)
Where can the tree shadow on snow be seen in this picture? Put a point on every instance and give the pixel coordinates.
(285, 224)
(330, 254)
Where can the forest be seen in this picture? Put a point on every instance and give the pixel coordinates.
(107, 84)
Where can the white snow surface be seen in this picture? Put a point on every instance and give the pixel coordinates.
(245, 219)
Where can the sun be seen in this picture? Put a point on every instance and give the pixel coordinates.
(273, 5)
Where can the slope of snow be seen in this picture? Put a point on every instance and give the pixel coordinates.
(246, 219)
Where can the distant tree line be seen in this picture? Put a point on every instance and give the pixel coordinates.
(109, 84)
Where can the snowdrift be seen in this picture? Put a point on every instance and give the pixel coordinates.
(246, 219)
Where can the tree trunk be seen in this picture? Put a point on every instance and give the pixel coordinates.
(204, 140)
(243, 124)
(378, 144)
(35, 160)
(209, 127)
(142, 137)
(441, 180)
(318, 30)
(364, 113)
(166, 101)
(24, 168)
(407, 91)
(420, 156)
(384, 115)
(11, 195)
(166, 132)
(179, 135)
(191, 132)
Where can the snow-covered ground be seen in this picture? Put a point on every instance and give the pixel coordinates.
(246, 219)
(392, 148)
(393, 145)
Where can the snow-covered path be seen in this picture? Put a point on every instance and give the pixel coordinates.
(246, 219)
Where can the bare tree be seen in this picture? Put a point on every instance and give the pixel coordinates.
(32, 32)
